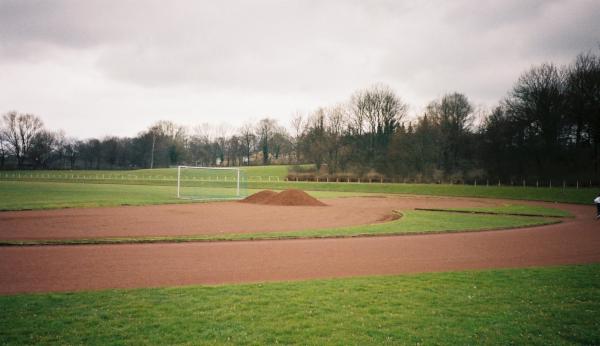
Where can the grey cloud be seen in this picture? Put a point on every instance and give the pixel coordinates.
(60, 23)
(481, 48)
(288, 47)
(487, 15)
(313, 50)
(567, 28)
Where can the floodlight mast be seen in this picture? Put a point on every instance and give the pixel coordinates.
(178, 180)
(238, 182)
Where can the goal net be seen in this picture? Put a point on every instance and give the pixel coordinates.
(211, 183)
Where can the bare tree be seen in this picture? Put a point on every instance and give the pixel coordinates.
(42, 149)
(335, 123)
(234, 151)
(376, 113)
(222, 134)
(314, 138)
(281, 144)
(248, 140)
(264, 132)
(70, 150)
(583, 104)
(3, 149)
(204, 131)
(537, 103)
(168, 143)
(298, 124)
(19, 132)
(356, 125)
(168, 129)
(453, 115)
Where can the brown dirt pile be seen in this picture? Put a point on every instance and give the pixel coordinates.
(290, 197)
(259, 197)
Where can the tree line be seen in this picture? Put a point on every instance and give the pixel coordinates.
(546, 127)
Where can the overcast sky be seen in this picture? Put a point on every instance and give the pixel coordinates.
(95, 68)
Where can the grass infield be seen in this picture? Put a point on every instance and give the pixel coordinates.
(555, 305)
(510, 209)
(567, 195)
(36, 195)
(411, 222)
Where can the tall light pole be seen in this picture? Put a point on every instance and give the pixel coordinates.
(152, 154)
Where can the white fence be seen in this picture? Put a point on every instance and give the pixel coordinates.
(72, 176)
(122, 177)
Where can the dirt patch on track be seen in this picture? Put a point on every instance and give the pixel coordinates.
(390, 217)
(209, 218)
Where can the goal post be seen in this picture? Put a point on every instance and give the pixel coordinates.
(211, 183)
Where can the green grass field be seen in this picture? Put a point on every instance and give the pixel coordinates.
(260, 176)
(568, 195)
(19, 195)
(512, 209)
(541, 306)
(26, 195)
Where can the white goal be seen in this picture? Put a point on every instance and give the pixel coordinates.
(211, 183)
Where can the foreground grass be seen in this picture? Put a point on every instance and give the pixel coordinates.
(412, 222)
(541, 306)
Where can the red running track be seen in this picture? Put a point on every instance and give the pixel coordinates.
(94, 267)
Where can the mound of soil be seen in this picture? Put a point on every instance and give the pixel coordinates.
(288, 197)
(260, 197)
(293, 197)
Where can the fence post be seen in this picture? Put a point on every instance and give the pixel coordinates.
(475, 183)
(577, 184)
